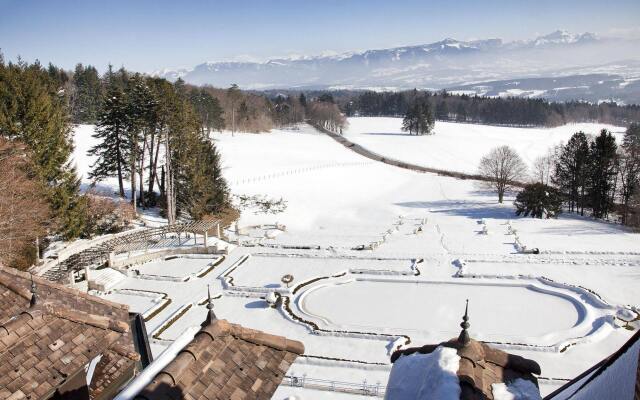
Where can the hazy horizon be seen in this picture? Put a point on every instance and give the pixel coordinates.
(153, 35)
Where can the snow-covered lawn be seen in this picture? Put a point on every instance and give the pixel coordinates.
(349, 218)
(373, 305)
(459, 147)
(176, 267)
(266, 271)
(622, 275)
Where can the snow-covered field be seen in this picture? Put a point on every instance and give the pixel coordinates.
(381, 255)
(459, 147)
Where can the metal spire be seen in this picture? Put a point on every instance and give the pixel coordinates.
(33, 300)
(464, 335)
(211, 316)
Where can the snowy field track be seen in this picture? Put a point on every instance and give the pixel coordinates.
(383, 257)
(459, 147)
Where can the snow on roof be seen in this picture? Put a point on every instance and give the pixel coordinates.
(425, 376)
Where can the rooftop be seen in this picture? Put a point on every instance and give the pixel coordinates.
(481, 369)
(56, 341)
(225, 361)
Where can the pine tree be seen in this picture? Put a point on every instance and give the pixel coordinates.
(410, 120)
(234, 95)
(208, 109)
(629, 169)
(538, 200)
(303, 100)
(138, 111)
(87, 94)
(112, 150)
(603, 170)
(572, 171)
(419, 119)
(35, 111)
(426, 120)
(442, 111)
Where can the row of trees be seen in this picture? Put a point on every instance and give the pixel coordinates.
(40, 188)
(86, 92)
(596, 173)
(326, 114)
(151, 132)
(586, 173)
(34, 112)
(486, 110)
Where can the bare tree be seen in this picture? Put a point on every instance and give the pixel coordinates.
(326, 115)
(543, 167)
(24, 213)
(501, 168)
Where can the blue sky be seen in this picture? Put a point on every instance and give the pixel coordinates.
(147, 35)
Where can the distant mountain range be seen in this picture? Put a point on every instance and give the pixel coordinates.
(560, 65)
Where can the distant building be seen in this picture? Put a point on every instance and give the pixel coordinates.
(461, 368)
(59, 343)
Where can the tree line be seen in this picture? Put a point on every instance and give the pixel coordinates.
(229, 108)
(587, 174)
(320, 110)
(514, 111)
(150, 132)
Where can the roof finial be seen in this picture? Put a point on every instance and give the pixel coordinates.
(33, 300)
(211, 316)
(464, 335)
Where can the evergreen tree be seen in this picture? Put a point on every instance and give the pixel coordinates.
(629, 169)
(572, 171)
(112, 150)
(234, 95)
(208, 109)
(442, 111)
(603, 170)
(538, 200)
(426, 121)
(303, 100)
(195, 173)
(410, 120)
(418, 119)
(87, 94)
(34, 110)
(139, 107)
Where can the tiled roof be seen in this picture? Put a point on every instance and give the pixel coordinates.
(225, 361)
(44, 346)
(480, 365)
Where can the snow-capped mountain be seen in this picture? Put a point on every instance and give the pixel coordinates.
(564, 37)
(443, 64)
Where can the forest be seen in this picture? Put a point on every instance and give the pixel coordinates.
(510, 111)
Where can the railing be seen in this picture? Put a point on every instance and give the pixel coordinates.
(137, 240)
(364, 388)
